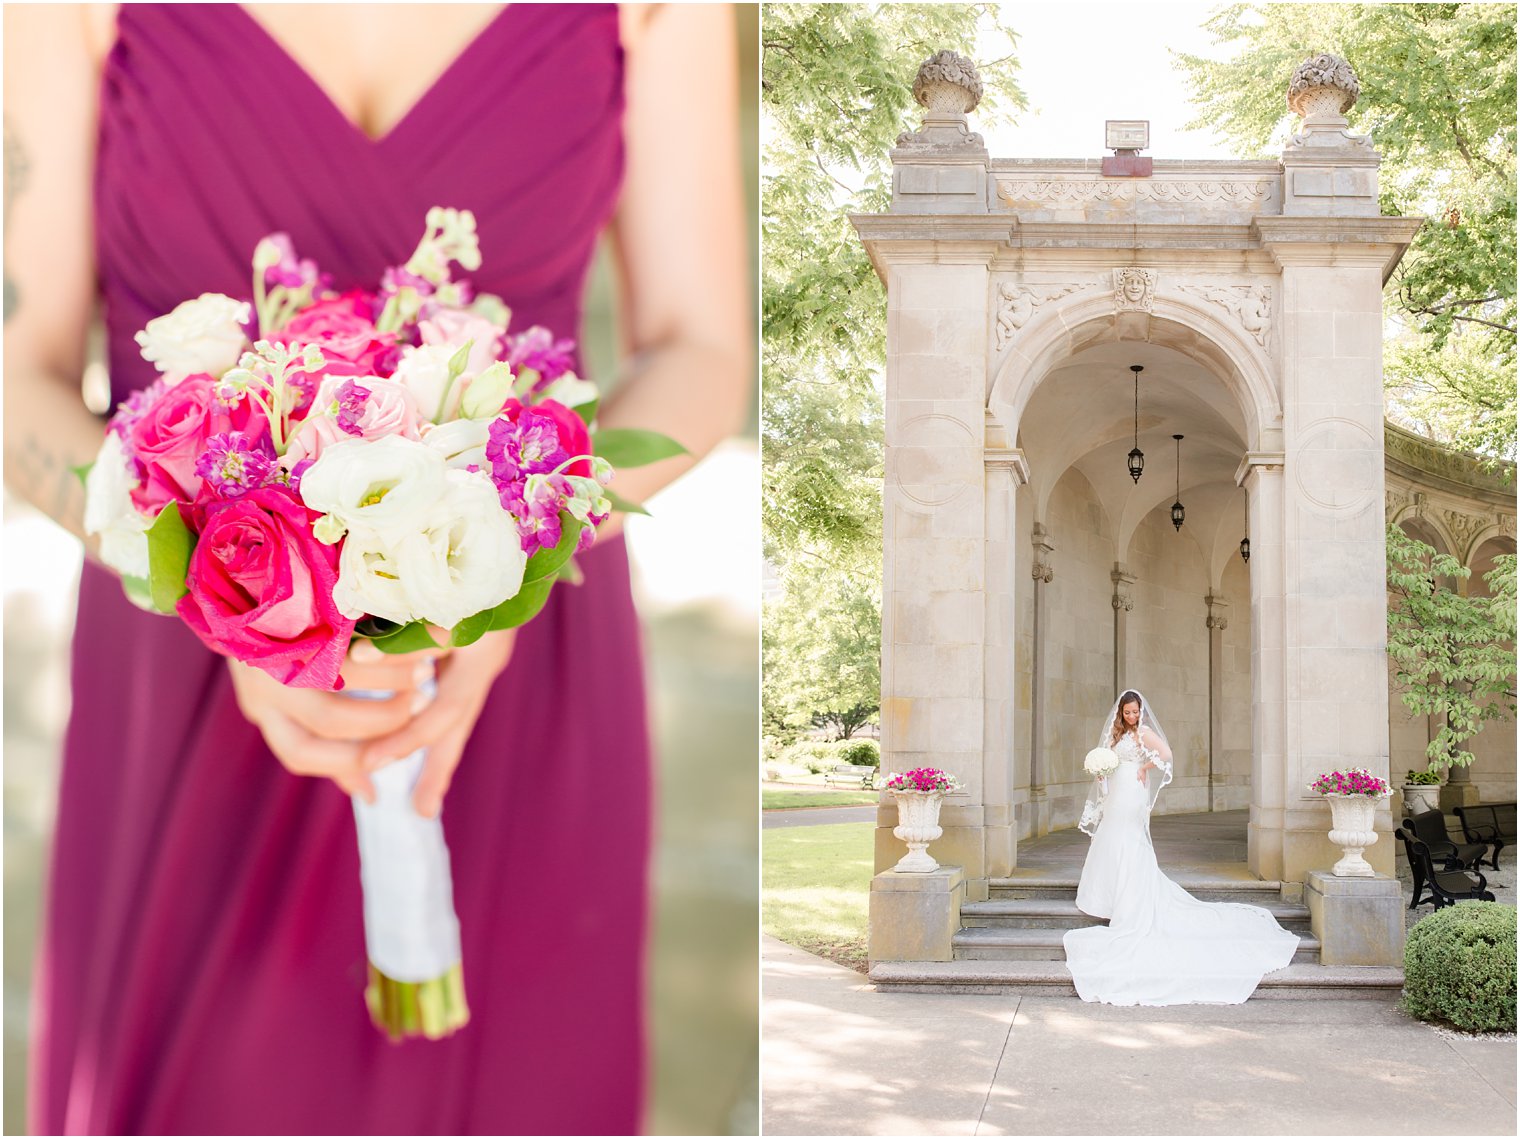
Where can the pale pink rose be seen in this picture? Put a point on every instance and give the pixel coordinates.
(455, 327)
(356, 407)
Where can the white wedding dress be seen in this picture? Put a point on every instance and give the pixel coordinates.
(1161, 946)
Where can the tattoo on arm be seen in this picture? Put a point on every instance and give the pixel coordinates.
(52, 484)
(15, 181)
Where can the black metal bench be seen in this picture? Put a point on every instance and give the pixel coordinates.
(1447, 884)
(1490, 823)
(1430, 828)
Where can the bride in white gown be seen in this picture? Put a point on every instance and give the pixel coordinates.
(1161, 946)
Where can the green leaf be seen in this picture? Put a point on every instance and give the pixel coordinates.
(545, 564)
(83, 472)
(524, 607)
(406, 639)
(571, 573)
(170, 544)
(633, 447)
(623, 504)
(138, 592)
(587, 411)
(471, 629)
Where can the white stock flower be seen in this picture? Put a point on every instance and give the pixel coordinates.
(470, 557)
(203, 335)
(389, 486)
(425, 371)
(108, 511)
(462, 442)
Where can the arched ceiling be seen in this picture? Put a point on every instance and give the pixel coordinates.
(1082, 416)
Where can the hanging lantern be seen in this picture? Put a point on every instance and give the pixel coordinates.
(1136, 456)
(1245, 543)
(1178, 514)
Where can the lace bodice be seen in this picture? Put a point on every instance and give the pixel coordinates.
(1129, 750)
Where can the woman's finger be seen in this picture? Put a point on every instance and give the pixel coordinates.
(438, 771)
(446, 711)
(302, 753)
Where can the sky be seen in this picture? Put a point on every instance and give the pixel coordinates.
(1081, 63)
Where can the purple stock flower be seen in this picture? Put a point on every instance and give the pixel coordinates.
(134, 407)
(232, 466)
(536, 348)
(397, 278)
(535, 505)
(290, 271)
(351, 399)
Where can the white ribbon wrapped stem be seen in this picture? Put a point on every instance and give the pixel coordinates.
(411, 932)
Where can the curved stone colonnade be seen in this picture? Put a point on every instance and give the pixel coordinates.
(1027, 574)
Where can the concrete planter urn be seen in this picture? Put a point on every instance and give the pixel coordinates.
(918, 826)
(1352, 829)
(1421, 797)
(1354, 795)
(919, 794)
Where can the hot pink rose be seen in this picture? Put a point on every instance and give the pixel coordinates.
(573, 436)
(359, 407)
(169, 436)
(261, 590)
(343, 328)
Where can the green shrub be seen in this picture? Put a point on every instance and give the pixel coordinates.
(862, 753)
(1422, 779)
(1459, 967)
(814, 767)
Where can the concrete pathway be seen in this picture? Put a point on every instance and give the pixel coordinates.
(840, 1059)
(816, 816)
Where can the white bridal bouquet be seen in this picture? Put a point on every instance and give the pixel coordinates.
(1100, 761)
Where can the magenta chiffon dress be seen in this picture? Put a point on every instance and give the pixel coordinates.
(203, 965)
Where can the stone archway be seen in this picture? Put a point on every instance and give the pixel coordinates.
(1267, 278)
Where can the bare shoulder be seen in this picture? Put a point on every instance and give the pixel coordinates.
(633, 22)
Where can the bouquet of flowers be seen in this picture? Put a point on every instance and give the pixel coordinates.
(1352, 781)
(364, 465)
(924, 779)
(1101, 761)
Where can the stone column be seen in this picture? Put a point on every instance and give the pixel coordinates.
(1123, 602)
(1043, 573)
(1218, 621)
(1335, 252)
(938, 499)
(1006, 471)
(1261, 474)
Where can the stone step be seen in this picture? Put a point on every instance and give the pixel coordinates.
(1051, 978)
(1003, 944)
(1205, 888)
(1062, 913)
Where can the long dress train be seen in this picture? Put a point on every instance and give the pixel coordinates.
(202, 966)
(1161, 946)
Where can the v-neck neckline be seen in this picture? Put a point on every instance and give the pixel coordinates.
(418, 104)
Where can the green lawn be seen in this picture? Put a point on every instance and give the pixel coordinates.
(783, 800)
(814, 885)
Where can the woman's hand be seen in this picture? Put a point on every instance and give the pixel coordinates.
(444, 725)
(312, 732)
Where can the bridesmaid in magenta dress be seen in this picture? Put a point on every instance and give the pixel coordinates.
(203, 963)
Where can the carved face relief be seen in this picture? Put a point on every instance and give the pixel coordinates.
(1134, 289)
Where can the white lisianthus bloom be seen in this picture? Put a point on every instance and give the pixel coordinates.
(425, 370)
(388, 486)
(203, 335)
(462, 443)
(108, 511)
(469, 559)
(369, 579)
(570, 390)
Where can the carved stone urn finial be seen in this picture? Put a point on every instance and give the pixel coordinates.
(948, 88)
(1323, 88)
(948, 83)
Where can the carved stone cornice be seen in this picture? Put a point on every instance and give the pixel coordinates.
(1040, 568)
(1009, 459)
(1425, 462)
(1069, 192)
